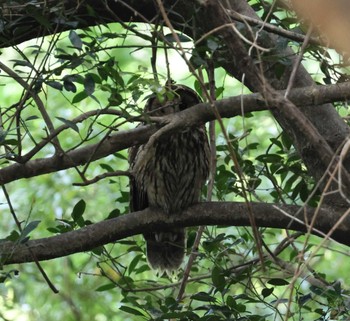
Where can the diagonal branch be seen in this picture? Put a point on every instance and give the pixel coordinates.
(304, 126)
(212, 213)
(272, 28)
(201, 113)
(38, 101)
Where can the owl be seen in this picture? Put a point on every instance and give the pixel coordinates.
(169, 175)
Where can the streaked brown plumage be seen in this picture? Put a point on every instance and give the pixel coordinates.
(169, 175)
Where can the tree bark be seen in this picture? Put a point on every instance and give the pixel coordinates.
(201, 113)
(214, 213)
(326, 120)
(196, 18)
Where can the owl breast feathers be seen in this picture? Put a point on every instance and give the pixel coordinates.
(169, 175)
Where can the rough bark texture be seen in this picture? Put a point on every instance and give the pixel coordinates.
(334, 132)
(196, 18)
(92, 236)
(201, 113)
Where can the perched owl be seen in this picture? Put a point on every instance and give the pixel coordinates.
(169, 175)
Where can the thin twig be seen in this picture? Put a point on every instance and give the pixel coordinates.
(272, 28)
(102, 176)
(37, 100)
(36, 261)
(212, 171)
(298, 62)
(233, 27)
(60, 129)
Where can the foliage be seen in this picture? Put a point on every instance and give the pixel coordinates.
(81, 86)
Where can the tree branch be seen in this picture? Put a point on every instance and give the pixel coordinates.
(212, 213)
(195, 18)
(272, 28)
(41, 18)
(201, 113)
(259, 73)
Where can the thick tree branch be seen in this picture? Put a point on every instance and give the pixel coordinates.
(241, 62)
(22, 22)
(197, 19)
(78, 156)
(201, 113)
(40, 18)
(220, 213)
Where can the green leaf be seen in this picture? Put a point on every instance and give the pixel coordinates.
(219, 91)
(103, 72)
(23, 63)
(203, 296)
(107, 167)
(191, 236)
(75, 40)
(304, 298)
(69, 86)
(26, 231)
(114, 213)
(53, 230)
(79, 97)
(134, 263)
(241, 308)
(89, 84)
(266, 292)
(98, 250)
(269, 158)
(111, 35)
(231, 302)
(69, 123)
(278, 282)
(131, 310)
(218, 278)
(14, 236)
(120, 155)
(286, 140)
(143, 268)
(54, 84)
(115, 99)
(117, 77)
(105, 287)
(320, 312)
(12, 142)
(31, 118)
(183, 38)
(304, 192)
(78, 211)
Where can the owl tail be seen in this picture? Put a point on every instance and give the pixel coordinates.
(166, 250)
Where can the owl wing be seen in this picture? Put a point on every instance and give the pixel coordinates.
(138, 199)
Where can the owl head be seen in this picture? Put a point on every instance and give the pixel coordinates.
(173, 99)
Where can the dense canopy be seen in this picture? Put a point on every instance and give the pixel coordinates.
(266, 241)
